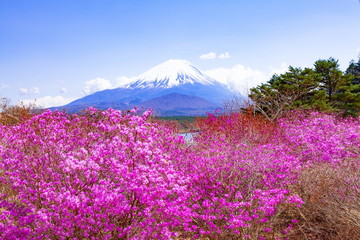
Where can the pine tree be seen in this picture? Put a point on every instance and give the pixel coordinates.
(324, 88)
(354, 69)
(285, 92)
(332, 81)
(353, 92)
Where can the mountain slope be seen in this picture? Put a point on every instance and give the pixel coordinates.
(179, 104)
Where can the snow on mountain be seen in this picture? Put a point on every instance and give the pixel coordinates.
(170, 74)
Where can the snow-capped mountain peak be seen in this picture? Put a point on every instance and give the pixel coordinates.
(173, 88)
(170, 74)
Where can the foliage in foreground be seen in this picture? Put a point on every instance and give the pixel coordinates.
(103, 175)
(109, 175)
(311, 155)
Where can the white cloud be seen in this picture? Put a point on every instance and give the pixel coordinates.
(63, 90)
(210, 55)
(243, 78)
(49, 101)
(28, 91)
(123, 80)
(35, 90)
(3, 85)
(23, 91)
(224, 55)
(95, 85)
(238, 77)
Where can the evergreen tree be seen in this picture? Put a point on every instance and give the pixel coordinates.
(332, 81)
(353, 95)
(354, 69)
(284, 92)
(324, 88)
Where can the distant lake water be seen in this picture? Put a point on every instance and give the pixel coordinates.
(188, 137)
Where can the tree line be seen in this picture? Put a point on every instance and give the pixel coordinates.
(324, 87)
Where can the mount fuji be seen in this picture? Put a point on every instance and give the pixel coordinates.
(173, 88)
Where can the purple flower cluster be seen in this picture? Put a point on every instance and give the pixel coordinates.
(101, 177)
(322, 138)
(110, 175)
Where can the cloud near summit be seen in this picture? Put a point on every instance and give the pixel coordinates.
(95, 85)
(242, 78)
(238, 77)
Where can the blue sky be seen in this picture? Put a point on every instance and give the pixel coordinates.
(58, 51)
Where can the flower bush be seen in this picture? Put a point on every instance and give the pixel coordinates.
(240, 172)
(115, 175)
(318, 137)
(100, 175)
